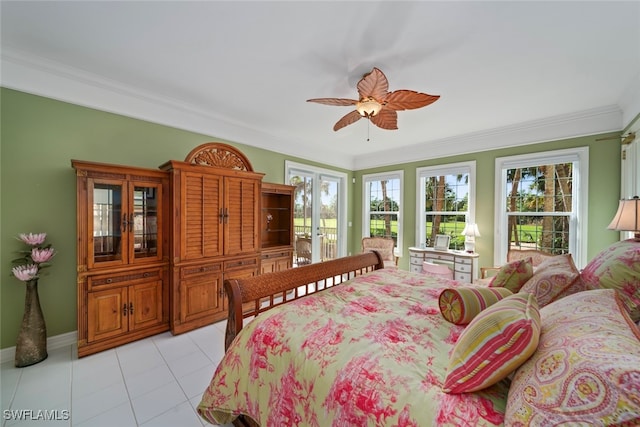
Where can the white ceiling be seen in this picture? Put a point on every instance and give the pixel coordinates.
(508, 73)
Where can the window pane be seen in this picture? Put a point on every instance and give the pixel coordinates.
(384, 205)
(446, 207)
(546, 192)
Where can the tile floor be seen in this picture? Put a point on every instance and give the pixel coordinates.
(157, 381)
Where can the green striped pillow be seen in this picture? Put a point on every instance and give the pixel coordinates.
(494, 344)
(460, 305)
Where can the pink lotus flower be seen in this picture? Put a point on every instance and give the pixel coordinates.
(42, 255)
(33, 239)
(34, 259)
(25, 272)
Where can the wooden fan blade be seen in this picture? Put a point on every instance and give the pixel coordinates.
(374, 85)
(352, 117)
(408, 100)
(385, 119)
(334, 101)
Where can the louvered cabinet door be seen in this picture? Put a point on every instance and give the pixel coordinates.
(242, 222)
(202, 220)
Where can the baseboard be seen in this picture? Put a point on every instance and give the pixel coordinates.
(57, 341)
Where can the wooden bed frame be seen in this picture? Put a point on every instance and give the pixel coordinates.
(250, 296)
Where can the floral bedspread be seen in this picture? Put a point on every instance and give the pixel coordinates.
(370, 352)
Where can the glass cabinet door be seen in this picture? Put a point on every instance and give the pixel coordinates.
(109, 221)
(144, 220)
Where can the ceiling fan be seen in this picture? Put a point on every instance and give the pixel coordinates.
(376, 103)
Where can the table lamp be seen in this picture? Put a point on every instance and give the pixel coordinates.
(628, 217)
(470, 233)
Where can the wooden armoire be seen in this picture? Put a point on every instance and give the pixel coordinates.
(215, 229)
(155, 245)
(122, 254)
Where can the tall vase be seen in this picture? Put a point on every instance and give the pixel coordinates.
(31, 346)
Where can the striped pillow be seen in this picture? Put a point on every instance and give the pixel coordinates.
(461, 305)
(494, 344)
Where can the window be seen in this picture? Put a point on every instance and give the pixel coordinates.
(446, 202)
(382, 206)
(541, 203)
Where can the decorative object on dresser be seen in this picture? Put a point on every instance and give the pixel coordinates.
(276, 230)
(470, 233)
(122, 249)
(463, 264)
(215, 227)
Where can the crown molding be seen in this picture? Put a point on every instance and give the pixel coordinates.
(50, 79)
(588, 122)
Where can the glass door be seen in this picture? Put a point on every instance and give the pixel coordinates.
(107, 223)
(144, 220)
(319, 213)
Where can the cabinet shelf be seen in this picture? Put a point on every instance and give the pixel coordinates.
(277, 227)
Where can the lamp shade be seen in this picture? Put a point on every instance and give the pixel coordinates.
(627, 218)
(368, 107)
(471, 230)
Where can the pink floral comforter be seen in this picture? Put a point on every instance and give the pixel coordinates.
(369, 352)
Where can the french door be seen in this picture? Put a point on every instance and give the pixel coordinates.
(319, 213)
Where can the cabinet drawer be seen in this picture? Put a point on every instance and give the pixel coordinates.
(416, 256)
(416, 268)
(123, 279)
(200, 269)
(429, 257)
(416, 261)
(462, 277)
(461, 260)
(242, 263)
(463, 268)
(277, 254)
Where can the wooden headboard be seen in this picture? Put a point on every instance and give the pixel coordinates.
(250, 296)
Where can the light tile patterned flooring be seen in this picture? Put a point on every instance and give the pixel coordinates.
(157, 381)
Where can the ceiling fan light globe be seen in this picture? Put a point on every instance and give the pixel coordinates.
(368, 107)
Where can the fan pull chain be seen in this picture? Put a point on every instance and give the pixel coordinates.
(368, 127)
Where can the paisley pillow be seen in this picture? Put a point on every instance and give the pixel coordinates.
(552, 279)
(586, 370)
(513, 275)
(460, 305)
(617, 267)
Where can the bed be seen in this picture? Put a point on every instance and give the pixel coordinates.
(350, 343)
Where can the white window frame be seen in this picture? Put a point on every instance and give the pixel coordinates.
(577, 220)
(446, 169)
(366, 204)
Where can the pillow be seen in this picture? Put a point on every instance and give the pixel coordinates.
(586, 370)
(494, 344)
(552, 278)
(513, 275)
(617, 267)
(460, 305)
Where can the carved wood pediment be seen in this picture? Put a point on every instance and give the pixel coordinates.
(219, 155)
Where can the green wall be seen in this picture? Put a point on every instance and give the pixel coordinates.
(39, 137)
(604, 192)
